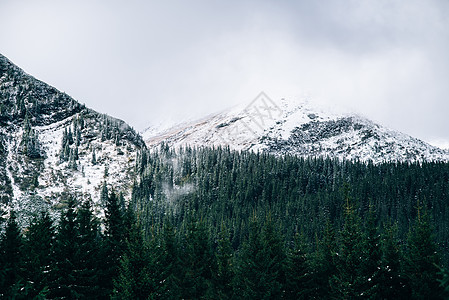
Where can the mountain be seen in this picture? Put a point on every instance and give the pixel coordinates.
(297, 128)
(52, 147)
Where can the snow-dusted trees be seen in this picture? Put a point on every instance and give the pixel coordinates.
(30, 144)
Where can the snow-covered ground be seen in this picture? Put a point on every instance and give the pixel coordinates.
(57, 180)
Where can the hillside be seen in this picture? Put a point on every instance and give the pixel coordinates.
(51, 146)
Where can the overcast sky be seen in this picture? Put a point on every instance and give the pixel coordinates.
(145, 60)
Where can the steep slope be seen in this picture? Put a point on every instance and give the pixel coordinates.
(299, 128)
(52, 147)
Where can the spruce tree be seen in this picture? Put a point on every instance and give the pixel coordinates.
(422, 260)
(113, 244)
(323, 265)
(348, 282)
(94, 157)
(298, 271)
(87, 253)
(134, 279)
(64, 271)
(223, 277)
(260, 267)
(39, 244)
(104, 195)
(274, 252)
(197, 261)
(444, 282)
(391, 283)
(12, 260)
(371, 255)
(170, 273)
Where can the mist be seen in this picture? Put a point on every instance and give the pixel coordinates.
(146, 61)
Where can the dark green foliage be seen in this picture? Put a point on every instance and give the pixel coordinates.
(63, 282)
(170, 271)
(114, 242)
(39, 243)
(298, 271)
(349, 280)
(11, 260)
(260, 273)
(104, 195)
(422, 260)
(391, 283)
(225, 272)
(134, 279)
(75, 269)
(87, 252)
(371, 256)
(444, 281)
(216, 224)
(197, 262)
(69, 145)
(323, 265)
(228, 186)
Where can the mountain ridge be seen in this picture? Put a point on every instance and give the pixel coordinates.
(52, 147)
(298, 127)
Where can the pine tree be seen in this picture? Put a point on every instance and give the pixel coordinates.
(64, 147)
(33, 147)
(70, 136)
(444, 282)
(275, 257)
(297, 270)
(12, 260)
(371, 255)
(391, 284)
(170, 273)
(114, 243)
(66, 152)
(78, 136)
(225, 273)
(197, 261)
(134, 281)
(104, 195)
(259, 274)
(63, 277)
(81, 121)
(422, 260)
(39, 244)
(87, 253)
(94, 157)
(323, 265)
(26, 125)
(348, 281)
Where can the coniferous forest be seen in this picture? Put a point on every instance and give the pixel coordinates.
(217, 224)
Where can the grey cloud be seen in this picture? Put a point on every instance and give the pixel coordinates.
(144, 60)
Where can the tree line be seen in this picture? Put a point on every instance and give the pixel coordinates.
(218, 224)
(75, 258)
(302, 194)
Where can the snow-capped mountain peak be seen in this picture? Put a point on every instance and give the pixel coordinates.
(297, 127)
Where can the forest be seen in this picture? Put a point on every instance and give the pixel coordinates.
(208, 223)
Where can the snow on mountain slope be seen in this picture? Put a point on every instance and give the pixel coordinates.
(298, 128)
(52, 147)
